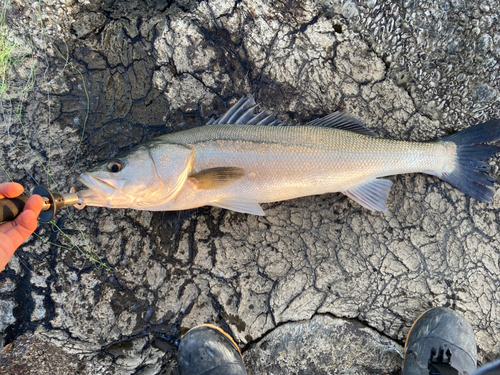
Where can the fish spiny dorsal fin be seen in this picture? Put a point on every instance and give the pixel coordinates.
(341, 120)
(242, 113)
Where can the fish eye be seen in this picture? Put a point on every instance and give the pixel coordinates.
(115, 166)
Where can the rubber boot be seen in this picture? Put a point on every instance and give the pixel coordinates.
(208, 350)
(440, 342)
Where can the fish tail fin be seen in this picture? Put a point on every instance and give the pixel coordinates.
(469, 174)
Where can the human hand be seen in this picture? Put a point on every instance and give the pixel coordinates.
(14, 233)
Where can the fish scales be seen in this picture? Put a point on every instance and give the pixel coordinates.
(248, 161)
(293, 161)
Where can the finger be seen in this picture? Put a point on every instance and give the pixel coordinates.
(5, 227)
(23, 226)
(6, 250)
(18, 231)
(14, 233)
(10, 190)
(35, 204)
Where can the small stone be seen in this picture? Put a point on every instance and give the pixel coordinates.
(484, 7)
(39, 310)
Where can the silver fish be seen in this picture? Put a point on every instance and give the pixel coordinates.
(243, 159)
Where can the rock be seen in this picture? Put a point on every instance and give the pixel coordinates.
(29, 354)
(324, 345)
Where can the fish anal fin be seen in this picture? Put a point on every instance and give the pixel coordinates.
(217, 178)
(372, 194)
(244, 207)
(341, 120)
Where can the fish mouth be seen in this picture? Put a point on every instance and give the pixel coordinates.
(99, 189)
(92, 182)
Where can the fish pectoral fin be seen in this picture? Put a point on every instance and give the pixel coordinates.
(217, 178)
(244, 207)
(371, 195)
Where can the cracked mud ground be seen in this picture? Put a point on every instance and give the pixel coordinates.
(411, 70)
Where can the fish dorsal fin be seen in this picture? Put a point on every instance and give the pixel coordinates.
(341, 120)
(244, 207)
(372, 194)
(217, 178)
(243, 113)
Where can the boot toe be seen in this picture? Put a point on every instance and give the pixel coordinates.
(207, 350)
(440, 338)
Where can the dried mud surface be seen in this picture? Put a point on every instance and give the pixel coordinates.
(125, 71)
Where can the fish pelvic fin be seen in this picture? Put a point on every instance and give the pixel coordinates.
(217, 178)
(469, 174)
(244, 207)
(371, 195)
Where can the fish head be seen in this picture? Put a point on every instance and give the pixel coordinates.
(140, 178)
